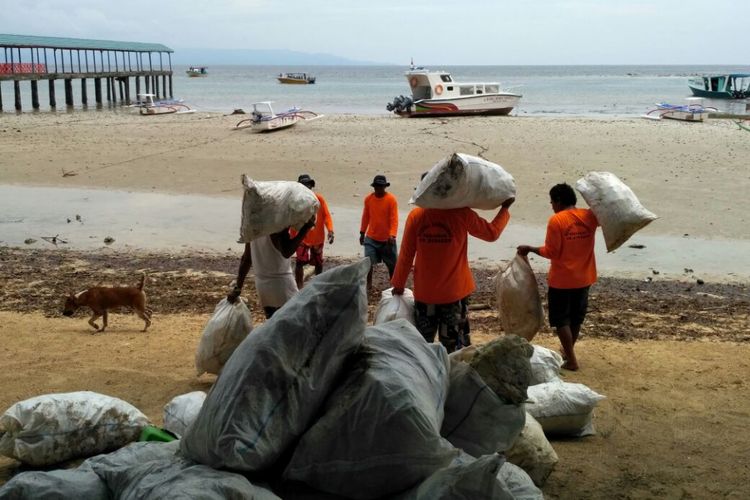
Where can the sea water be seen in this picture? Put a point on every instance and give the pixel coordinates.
(365, 90)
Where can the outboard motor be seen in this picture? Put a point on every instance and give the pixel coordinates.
(400, 104)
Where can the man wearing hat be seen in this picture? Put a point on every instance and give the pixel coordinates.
(377, 232)
(311, 249)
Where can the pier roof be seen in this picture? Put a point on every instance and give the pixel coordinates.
(26, 41)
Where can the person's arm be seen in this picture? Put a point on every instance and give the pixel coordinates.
(365, 222)
(287, 245)
(327, 219)
(405, 259)
(489, 231)
(245, 264)
(393, 222)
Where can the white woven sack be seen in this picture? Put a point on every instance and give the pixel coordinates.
(519, 483)
(392, 307)
(180, 412)
(50, 429)
(533, 452)
(545, 365)
(518, 300)
(462, 180)
(272, 206)
(616, 207)
(563, 408)
(227, 328)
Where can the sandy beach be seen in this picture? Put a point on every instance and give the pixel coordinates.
(669, 350)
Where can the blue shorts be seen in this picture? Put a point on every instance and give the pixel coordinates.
(381, 251)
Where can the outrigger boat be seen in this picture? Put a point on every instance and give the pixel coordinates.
(434, 93)
(694, 111)
(729, 86)
(263, 119)
(147, 106)
(302, 78)
(197, 72)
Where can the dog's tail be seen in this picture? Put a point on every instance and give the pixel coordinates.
(143, 281)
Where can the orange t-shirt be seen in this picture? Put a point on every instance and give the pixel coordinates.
(316, 235)
(380, 217)
(570, 247)
(439, 240)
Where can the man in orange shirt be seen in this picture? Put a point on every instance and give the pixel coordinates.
(569, 245)
(442, 278)
(311, 249)
(377, 232)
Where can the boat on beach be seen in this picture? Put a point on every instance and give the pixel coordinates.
(298, 78)
(693, 111)
(435, 93)
(197, 71)
(263, 118)
(728, 86)
(147, 106)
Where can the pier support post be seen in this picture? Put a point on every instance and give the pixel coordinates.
(137, 86)
(17, 92)
(155, 85)
(68, 92)
(120, 89)
(34, 95)
(98, 91)
(127, 90)
(84, 92)
(164, 86)
(1, 98)
(171, 92)
(109, 90)
(52, 101)
(147, 83)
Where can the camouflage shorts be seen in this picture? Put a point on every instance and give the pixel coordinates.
(449, 321)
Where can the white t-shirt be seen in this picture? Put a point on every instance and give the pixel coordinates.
(274, 279)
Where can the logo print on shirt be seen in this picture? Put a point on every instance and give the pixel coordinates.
(435, 233)
(578, 231)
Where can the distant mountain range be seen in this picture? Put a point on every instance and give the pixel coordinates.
(261, 57)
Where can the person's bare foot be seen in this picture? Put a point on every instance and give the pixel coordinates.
(568, 365)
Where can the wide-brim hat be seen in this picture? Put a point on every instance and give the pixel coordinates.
(380, 180)
(306, 180)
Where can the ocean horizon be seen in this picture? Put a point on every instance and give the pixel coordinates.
(590, 90)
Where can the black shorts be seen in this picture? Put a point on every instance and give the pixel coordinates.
(567, 306)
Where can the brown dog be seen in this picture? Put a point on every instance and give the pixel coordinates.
(100, 299)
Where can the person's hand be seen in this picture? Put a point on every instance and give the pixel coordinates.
(361, 238)
(397, 290)
(330, 238)
(507, 203)
(232, 296)
(523, 250)
(392, 241)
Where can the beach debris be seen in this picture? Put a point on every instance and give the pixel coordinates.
(648, 279)
(699, 281)
(238, 111)
(637, 246)
(78, 218)
(68, 220)
(688, 270)
(68, 173)
(54, 240)
(29, 241)
(654, 271)
(109, 240)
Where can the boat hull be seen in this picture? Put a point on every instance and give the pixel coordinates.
(712, 94)
(276, 123)
(498, 104)
(295, 81)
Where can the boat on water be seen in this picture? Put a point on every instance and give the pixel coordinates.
(693, 111)
(197, 71)
(728, 86)
(301, 78)
(263, 118)
(435, 93)
(147, 106)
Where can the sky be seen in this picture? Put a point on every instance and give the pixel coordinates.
(448, 32)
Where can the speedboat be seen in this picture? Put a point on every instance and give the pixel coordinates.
(197, 72)
(302, 78)
(263, 118)
(435, 93)
(147, 106)
(729, 86)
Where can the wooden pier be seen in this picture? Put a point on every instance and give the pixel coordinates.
(121, 66)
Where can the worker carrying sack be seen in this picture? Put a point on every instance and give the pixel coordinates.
(461, 180)
(615, 206)
(270, 207)
(518, 300)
